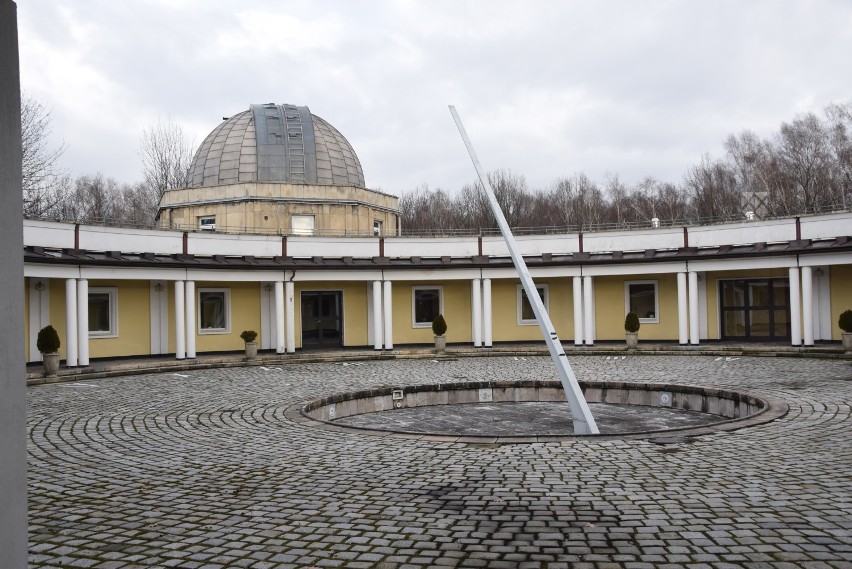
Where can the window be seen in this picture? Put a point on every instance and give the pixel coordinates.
(377, 227)
(207, 223)
(103, 319)
(427, 303)
(302, 225)
(641, 297)
(214, 311)
(526, 316)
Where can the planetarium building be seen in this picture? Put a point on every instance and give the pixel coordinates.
(278, 233)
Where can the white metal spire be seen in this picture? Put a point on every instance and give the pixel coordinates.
(584, 423)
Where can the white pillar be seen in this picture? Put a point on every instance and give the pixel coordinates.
(588, 311)
(487, 332)
(476, 309)
(189, 306)
(795, 308)
(83, 322)
(290, 315)
(180, 321)
(387, 310)
(280, 346)
(808, 304)
(682, 310)
(577, 289)
(377, 315)
(693, 308)
(71, 322)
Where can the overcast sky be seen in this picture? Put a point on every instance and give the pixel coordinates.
(545, 88)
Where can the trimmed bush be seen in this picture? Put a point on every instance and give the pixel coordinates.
(845, 321)
(48, 340)
(631, 323)
(439, 325)
(248, 336)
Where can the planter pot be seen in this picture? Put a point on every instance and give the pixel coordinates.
(632, 339)
(847, 342)
(251, 350)
(440, 343)
(51, 364)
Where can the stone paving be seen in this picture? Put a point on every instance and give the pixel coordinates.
(202, 469)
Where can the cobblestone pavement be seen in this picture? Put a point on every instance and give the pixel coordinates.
(202, 470)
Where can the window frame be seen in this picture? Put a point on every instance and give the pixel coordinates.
(378, 227)
(312, 217)
(643, 320)
(519, 296)
(112, 291)
(227, 301)
(206, 227)
(414, 290)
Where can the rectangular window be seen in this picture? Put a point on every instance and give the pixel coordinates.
(103, 317)
(427, 303)
(377, 227)
(214, 311)
(641, 297)
(302, 225)
(207, 223)
(526, 316)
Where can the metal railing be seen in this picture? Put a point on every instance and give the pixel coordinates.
(451, 232)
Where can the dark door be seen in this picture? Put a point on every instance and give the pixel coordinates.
(755, 309)
(322, 319)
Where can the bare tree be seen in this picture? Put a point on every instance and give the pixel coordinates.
(42, 179)
(166, 157)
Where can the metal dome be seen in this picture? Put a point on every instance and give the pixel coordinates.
(276, 143)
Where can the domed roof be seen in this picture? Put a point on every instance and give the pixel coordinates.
(276, 143)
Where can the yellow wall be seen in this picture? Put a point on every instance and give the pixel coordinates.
(504, 310)
(244, 314)
(354, 309)
(713, 292)
(840, 281)
(133, 318)
(457, 312)
(610, 308)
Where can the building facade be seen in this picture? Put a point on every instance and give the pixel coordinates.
(278, 169)
(188, 292)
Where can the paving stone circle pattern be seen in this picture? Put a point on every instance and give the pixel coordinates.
(202, 470)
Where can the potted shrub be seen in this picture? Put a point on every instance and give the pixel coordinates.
(845, 323)
(249, 337)
(48, 344)
(439, 328)
(631, 330)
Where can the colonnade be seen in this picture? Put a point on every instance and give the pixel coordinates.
(77, 313)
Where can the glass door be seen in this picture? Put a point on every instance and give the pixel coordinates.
(322, 319)
(755, 309)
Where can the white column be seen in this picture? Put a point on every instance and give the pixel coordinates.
(189, 306)
(682, 310)
(180, 321)
(71, 322)
(577, 289)
(693, 308)
(588, 311)
(387, 309)
(487, 332)
(290, 315)
(280, 346)
(795, 308)
(808, 304)
(83, 322)
(476, 309)
(377, 315)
